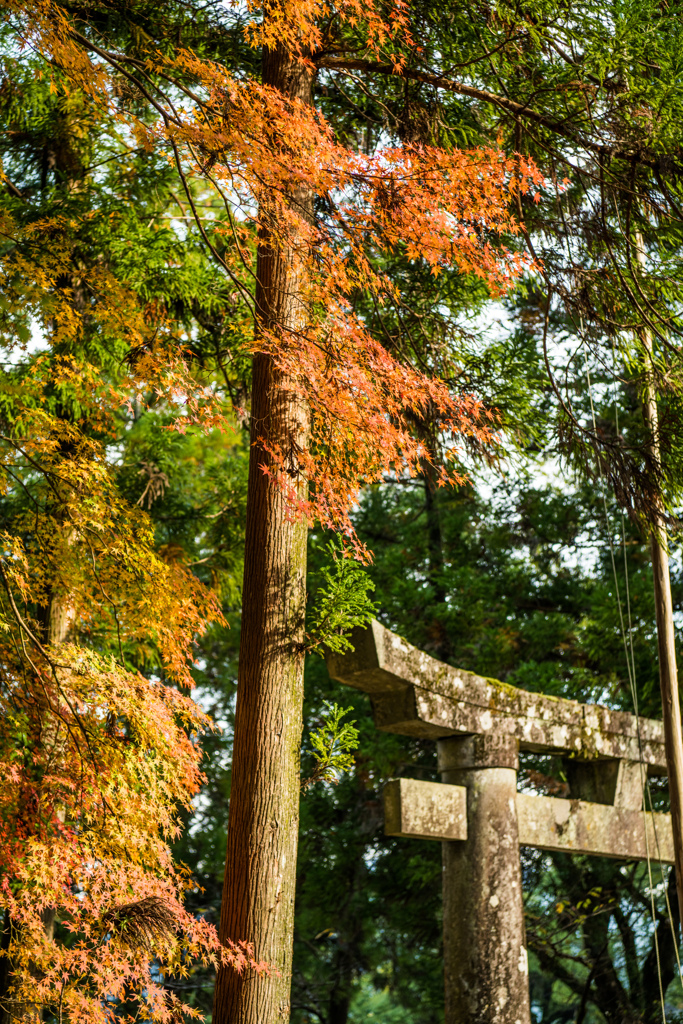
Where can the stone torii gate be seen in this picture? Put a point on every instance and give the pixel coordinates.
(479, 726)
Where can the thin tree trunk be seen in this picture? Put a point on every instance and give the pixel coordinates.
(260, 875)
(59, 622)
(5, 968)
(668, 671)
(663, 950)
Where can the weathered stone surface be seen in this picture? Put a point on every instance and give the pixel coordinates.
(415, 695)
(573, 826)
(485, 960)
(425, 810)
(606, 782)
(488, 751)
(428, 810)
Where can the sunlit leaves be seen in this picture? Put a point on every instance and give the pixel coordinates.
(257, 151)
(97, 760)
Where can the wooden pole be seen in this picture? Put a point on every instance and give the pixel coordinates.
(668, 671)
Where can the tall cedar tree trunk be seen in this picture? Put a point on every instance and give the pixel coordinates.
(260, 874)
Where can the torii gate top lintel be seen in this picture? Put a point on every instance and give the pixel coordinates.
(414, 694)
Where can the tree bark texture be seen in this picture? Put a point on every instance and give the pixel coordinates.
(260, 874)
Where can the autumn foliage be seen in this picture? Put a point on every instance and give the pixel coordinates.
(98, 757)
(258, 151)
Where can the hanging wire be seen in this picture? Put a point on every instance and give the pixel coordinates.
(645, 781)
(630, 659)
(630, 667)
(631, 671)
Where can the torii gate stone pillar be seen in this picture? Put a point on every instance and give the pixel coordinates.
(485, 962)
(479, 726)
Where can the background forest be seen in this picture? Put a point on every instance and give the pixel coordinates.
(533, 569)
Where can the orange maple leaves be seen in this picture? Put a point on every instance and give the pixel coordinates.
(259, 151)
(96, 760)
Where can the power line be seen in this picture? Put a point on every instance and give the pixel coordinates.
(629, 653)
